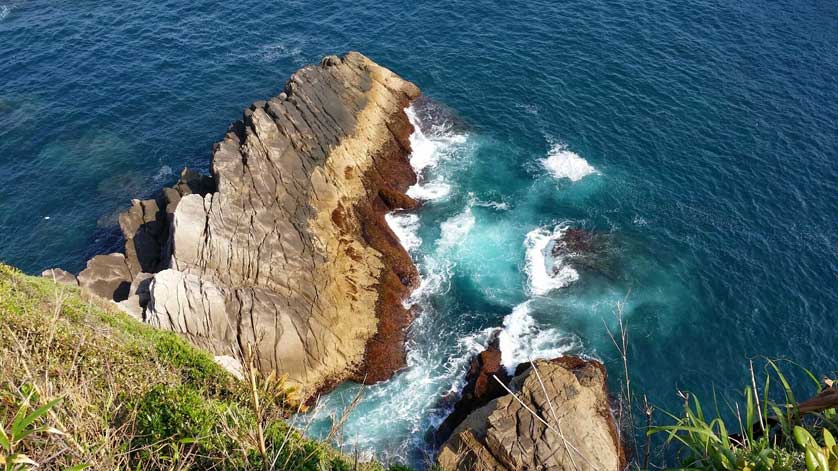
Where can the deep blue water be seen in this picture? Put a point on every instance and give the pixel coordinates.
(704, 134)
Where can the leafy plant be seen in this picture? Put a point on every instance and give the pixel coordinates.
(818, 458)
(25, 424)
(764, 441)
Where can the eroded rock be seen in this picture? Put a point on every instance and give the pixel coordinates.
(568, 394)
(284, 246)
(481, 387)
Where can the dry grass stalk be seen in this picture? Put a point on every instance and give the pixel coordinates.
(546, 424)
(553, 414)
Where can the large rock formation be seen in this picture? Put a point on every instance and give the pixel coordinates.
(561, 420)
(284, 246)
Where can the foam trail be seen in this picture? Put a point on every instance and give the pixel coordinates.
(4, 12)
(562, 163)
(545, 272)
(521, 340)
(427, 151)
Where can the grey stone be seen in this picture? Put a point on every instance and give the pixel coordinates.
(107, 277)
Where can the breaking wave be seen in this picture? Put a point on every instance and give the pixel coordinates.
(545, 272)
(522, 340)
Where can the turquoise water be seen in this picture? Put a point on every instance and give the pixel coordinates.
(698, 140)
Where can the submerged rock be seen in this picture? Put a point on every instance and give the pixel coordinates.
(284, 246)
(569, 394)
(583, 250)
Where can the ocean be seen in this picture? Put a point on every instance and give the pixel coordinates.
(693, 146)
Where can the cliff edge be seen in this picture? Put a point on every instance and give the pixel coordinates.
(284, 246)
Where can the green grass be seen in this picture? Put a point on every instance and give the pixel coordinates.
(123, 395)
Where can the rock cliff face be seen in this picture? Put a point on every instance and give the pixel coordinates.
(284, 246)
(562, 422)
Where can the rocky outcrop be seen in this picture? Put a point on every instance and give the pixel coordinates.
(481, 387)
(284, 246)
(60, 276)
(559, 419)
(106, 277)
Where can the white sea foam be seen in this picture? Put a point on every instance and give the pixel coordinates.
(427, 151)
(545, 272)
(163, 174)
(432, 191)
(4, 11)
(455, 229)
(406, 228)
(562, 163)
(522, 340)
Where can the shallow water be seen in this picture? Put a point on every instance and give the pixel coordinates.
(699, 139)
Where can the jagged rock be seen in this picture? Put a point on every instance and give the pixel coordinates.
(574, 241)
(503, 435)
(285, 245)
(481, 387)
(106, 277)
(143, 226)
(60, 276)
(138, 296)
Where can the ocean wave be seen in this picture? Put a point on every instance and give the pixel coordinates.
(522, 340)
(406, 228)
(545, 272)
(427, 151)
(4, 11)
(562, 163)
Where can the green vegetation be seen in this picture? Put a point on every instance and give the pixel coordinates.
(87, 387)
(772, 432)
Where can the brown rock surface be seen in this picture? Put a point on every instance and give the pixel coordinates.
(481, 387)
(285, 245)
(504, 435)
